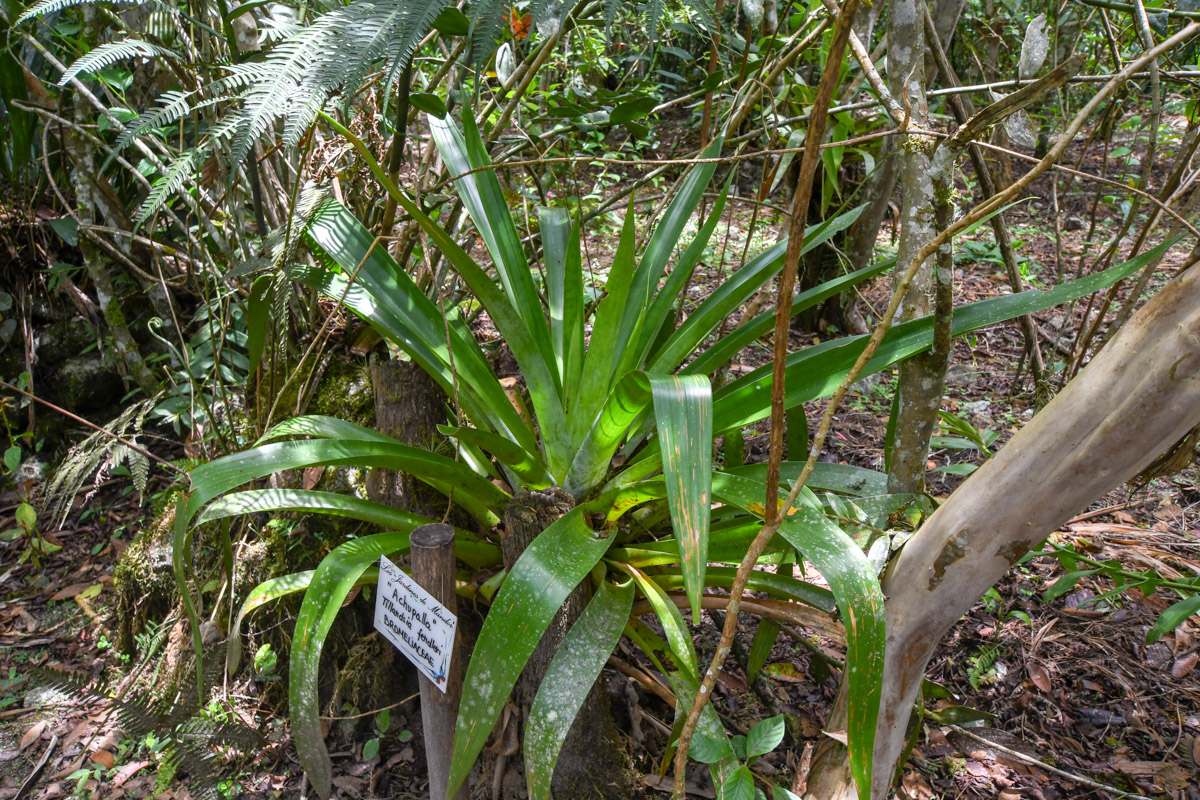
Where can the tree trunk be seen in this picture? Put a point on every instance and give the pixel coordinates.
(408, 407)
(1136, 398)
(920, 383)
(594, 762)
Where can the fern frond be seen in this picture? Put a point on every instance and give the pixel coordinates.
(110, 53)
(703, 13)
(487, 20)
(337, 51)
(653, 11)
(85, 458)
(411, 27)
(611, 9)
(171, 181)
(139, 467)
(276, 91)
(43, 7)
(172, 106)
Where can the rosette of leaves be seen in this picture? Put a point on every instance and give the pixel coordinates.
(621, 415)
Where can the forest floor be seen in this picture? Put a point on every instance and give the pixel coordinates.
(1045, 699)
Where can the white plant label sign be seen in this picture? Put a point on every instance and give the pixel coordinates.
(417, 624)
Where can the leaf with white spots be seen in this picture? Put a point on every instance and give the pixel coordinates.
(570, 678)
(534, 590)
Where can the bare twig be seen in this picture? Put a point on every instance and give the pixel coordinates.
(783, 314)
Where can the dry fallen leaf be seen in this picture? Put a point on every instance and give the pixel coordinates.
(103, 758)
(1173, 777)
(68, 592)
(914, 787)
(1039, 676)
(784, 671)
(1009, 794)
(128, 771)
(33, 734)
(1184, 665)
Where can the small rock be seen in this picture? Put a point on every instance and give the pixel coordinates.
(45, 696)
(977, 407)
(874, 379)
(86, 383)
(61, 340)
(960, 375)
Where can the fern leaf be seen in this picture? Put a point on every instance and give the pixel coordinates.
(43, 7)
(487, 19)
(611, 9)
(110, 53)
(139, 467)
(653, 11)
(172, 181)
(173, 106)
(412, 25)
(703, 13)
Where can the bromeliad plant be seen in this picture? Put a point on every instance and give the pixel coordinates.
(636, 387)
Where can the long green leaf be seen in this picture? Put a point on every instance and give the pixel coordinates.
(484, 200)
(383, 295)
(534, 590)
(826, 477)
(323, 427)
(634, 333)
(727, 297)
(1173, 617)
(683, 414)
(728, 346)
(477, 495)
(564, 293)
(525, 465)
(860, 600)
(818, 370)
(775, 584)
(259, 596)
(332, 581)
(657, 316)
(603, 349)
(570, 678)
(760, 648)
(255, 501)
(508, 321)
(669, 617)
(258, 318)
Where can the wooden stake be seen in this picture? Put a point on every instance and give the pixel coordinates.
(433, 568)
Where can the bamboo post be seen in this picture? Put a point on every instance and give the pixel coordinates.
(432, 548)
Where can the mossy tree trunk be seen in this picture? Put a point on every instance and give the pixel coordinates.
(408, 407)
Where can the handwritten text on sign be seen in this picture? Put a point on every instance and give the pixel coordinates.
(410, 618)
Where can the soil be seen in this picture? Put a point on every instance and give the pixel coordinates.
(1043, 698)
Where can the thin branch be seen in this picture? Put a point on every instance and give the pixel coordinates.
(93, 426)
(804, 187)
(1028, 759)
